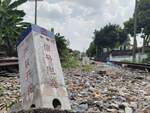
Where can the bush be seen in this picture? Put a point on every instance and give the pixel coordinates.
(71, 62)
(87, 68)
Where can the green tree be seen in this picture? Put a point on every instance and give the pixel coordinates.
(110, 36)
(129, 27)
(76, 54)
(143, 22)
(11, 24)
(69, 58)
(62, 44)
(91, 51)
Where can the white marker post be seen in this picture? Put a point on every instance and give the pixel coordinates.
(41, 76)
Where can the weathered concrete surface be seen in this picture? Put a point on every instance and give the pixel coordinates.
(41, 76)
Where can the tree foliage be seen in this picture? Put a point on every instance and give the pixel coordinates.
(110, 36)
(91, 51)
(11, 24)
(62, 44)
(143, 21)
(69, 59)
(144, 15)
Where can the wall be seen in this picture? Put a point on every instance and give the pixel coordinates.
(139, 57)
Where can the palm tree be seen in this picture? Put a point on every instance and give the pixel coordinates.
(11, 24)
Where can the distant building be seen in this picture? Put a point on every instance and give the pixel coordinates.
(126, 55)
(117, 55)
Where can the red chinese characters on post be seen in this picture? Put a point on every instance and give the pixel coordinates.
(50, 70)
(28, 71)
(25, 50)
(47, 47)
(52, 82)
(48, 59)
(27, 63)
(30, 88)
(49, 65)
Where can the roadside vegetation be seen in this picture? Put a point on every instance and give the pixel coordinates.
(87, 68)
(11, 25)
(69, 58)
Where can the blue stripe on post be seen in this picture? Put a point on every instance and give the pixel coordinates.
(23, 35)
(35, 28)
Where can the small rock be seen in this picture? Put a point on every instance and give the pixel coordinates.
(134, 105)
(128, 110)
(82, 107)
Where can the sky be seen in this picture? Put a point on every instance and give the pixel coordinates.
(77, 19)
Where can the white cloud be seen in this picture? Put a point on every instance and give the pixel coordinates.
(77, 19)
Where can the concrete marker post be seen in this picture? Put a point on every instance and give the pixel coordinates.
(41, 76)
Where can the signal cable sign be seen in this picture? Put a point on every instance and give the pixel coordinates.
(41, 76)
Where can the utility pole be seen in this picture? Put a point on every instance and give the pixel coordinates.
(35, 16)
(135, 29)
(35, 11)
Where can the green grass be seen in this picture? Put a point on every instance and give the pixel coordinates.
(87, 68)
(71, 62)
